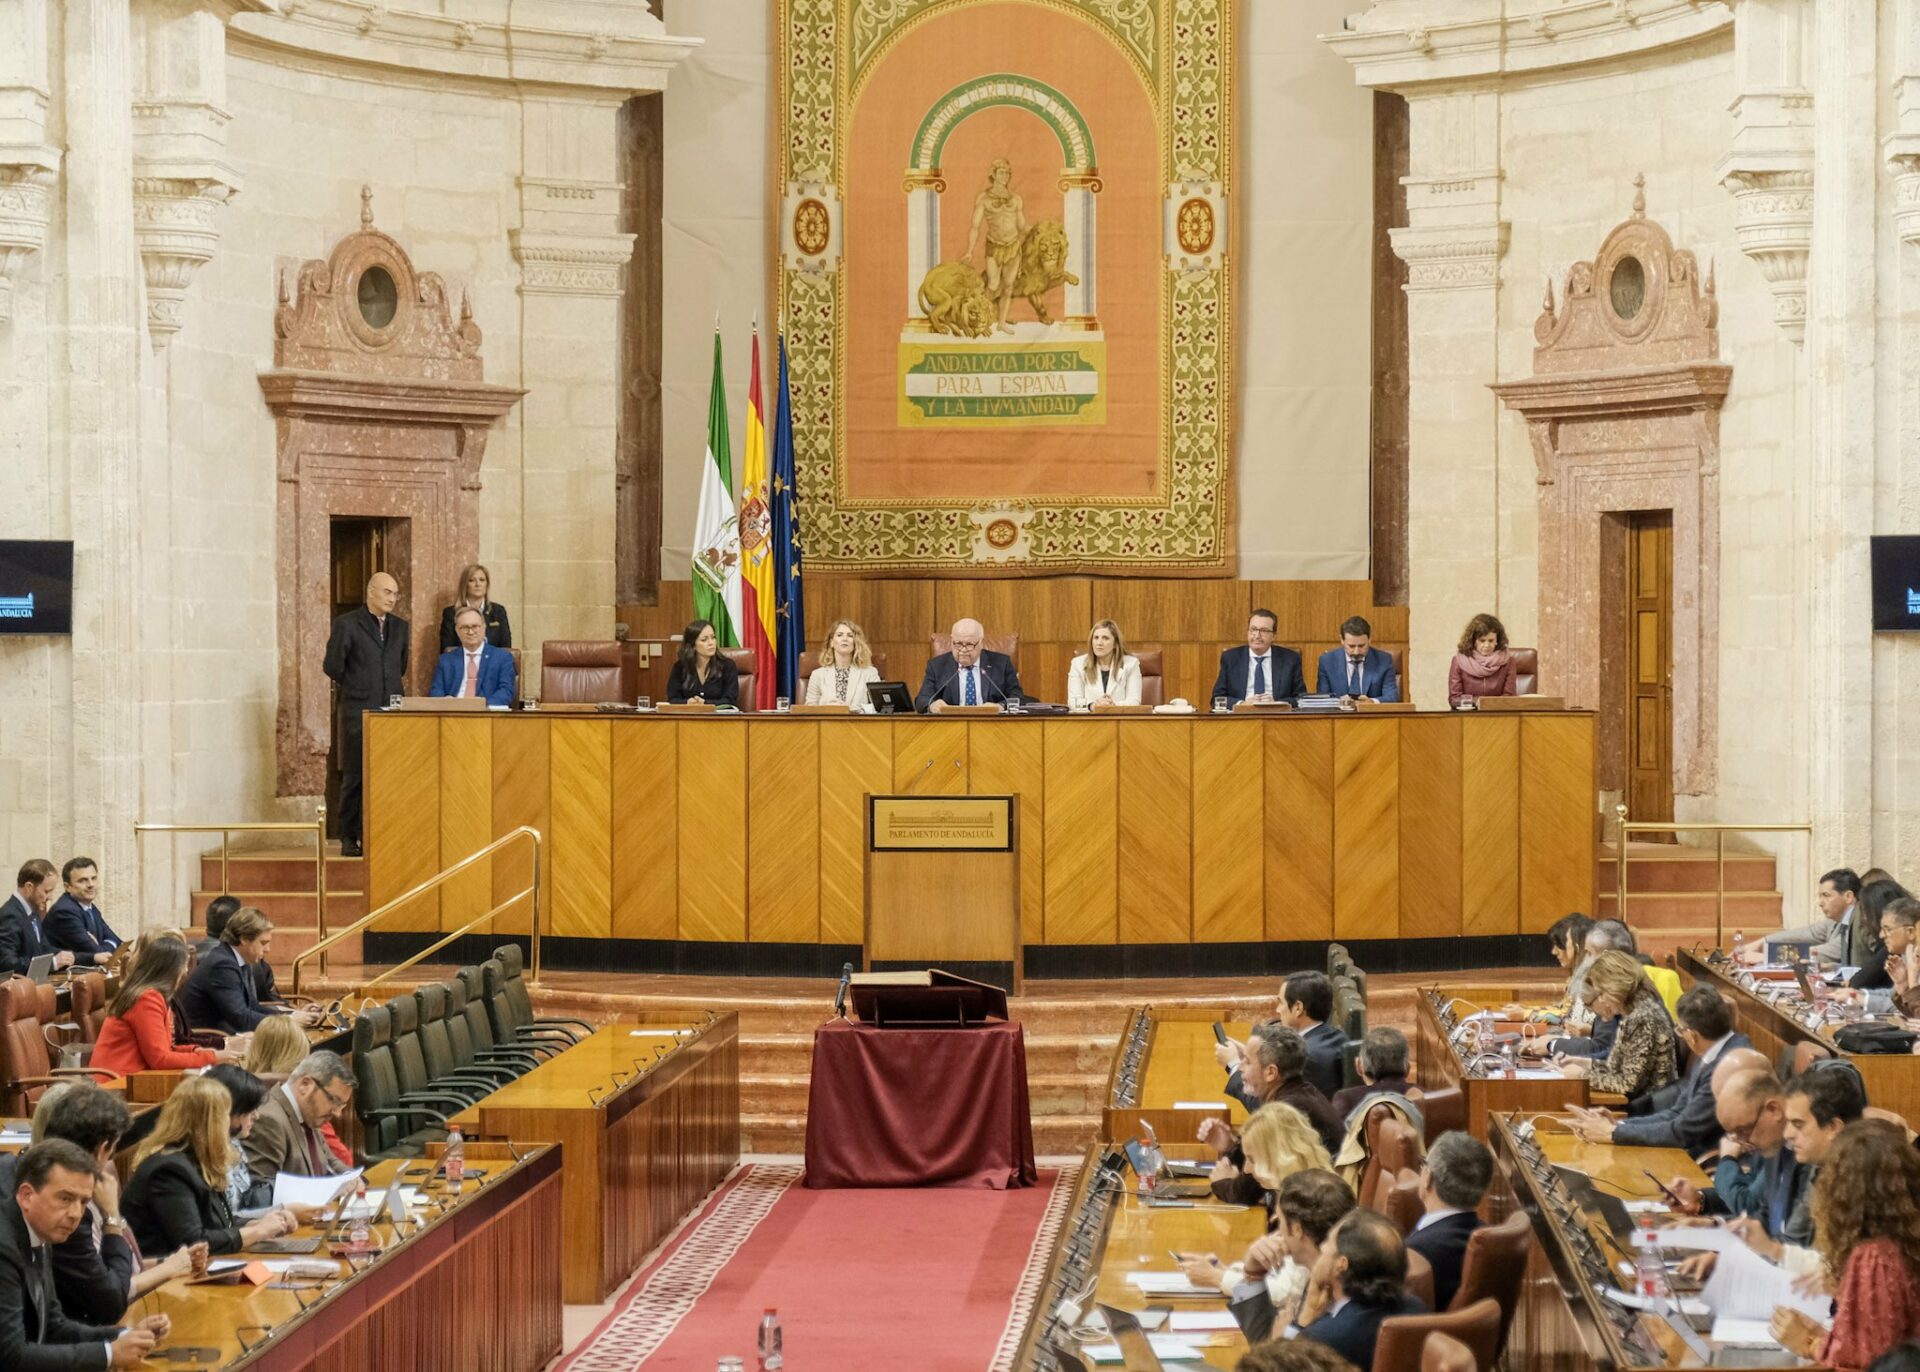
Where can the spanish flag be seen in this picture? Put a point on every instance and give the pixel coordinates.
(756, 547)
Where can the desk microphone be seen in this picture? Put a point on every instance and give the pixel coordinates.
(840, 996)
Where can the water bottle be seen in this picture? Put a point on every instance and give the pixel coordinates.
(770, 1359)
(1152, 1161)
(359, 1234)
(1509, 1066)
(1738, 946)
(1650, 1274)
(456, 1158)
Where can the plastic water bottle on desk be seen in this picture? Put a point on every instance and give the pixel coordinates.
(1509, 1066)
(1154, 1161)
(456, 1157)
(770, 1359)
(1650, 1273)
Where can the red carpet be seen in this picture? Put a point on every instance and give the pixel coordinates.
(939, 1280)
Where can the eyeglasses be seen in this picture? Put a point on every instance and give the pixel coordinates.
(335, 1101)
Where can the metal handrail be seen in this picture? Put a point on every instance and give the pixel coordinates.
(533, 971)
(1720, 831)
(317, 827)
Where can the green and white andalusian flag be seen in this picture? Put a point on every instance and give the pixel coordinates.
(716, 531)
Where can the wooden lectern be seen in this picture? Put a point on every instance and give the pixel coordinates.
(943, 886)
(923, 999)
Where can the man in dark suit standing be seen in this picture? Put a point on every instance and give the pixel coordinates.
(1452, 1184)
(968, 675)
(53, 1182)
(22, 935)
(367, 661)
(75, 922)
(1359, 1282)
(1357, 670)
(1259, 671)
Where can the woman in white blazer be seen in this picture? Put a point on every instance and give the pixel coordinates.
(1105, 673)
(846, 666)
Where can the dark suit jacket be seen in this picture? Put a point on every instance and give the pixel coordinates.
(1597, 1044)
(1347, 1097)
(70, 926)
(1353, 1332)
(365, 669)
(999, 682)
(91, 1283)
(497, 683)
(1326, 1058)
(1688, 1121)
(1284, 678)
(70, 1346)
(722, 686)
(263, 982)
(1378, 679)
(168, 1204)
(22, 937)
(499, 632)
(221, 994)
(1444, 1245)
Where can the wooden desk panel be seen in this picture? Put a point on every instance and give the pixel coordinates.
(1438, 1066)
(1253, 827)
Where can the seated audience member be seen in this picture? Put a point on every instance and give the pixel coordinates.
(75, 922)
(286, 1136)
(1592, 1035)
(53, 1184)
(1357, 670)
(23, 934)
(1452, 1184)
(846, 669)
(1887, 909)
(219, 910)
(1866, 1217)
(177, 1188)
(1755, 1174)
(1834, 933)
(96, 1273)
(1706, 1026)
(475, 583)
(1277, 1142)
(1259, 671)
(1359, 1281)
(1274, 1070)
(1306, 1003)
(223, 993)
(1293, 1355)
(1566, 940)
(247, 1093)
(137, 1035)
(1382, 1065)
(1106, 674)
(1820, 1103)
(1640, 1057)
(475, 669)
(967, 674)
(1481, 665)
(1903, 961)
(1265, 1288)
(702, 671)
(278, 1048)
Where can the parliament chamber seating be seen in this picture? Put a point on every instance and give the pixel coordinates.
(1443, 1109)
(1007, 645)
(1442, 1353)
(748, 663)
(810, 663)
(1153, 681)
(1404, 1337)
(88, 1006)
(582, 671)
(1420, 1278)
(513, 988)
(1495, 1265)
(1526, 670)
(1403, 1201)
(1392, 1148)
(27, 1043)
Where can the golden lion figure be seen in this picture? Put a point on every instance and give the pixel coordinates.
(954, 294)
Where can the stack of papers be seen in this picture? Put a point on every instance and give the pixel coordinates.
(1192, 1321)
(290, 1189)
(1166, 1347)
(1168, 1284)
(1738, 1333)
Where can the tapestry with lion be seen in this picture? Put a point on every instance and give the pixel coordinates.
(1004, 274)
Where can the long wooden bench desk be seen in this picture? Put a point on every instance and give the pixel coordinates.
(1178, 1053)
(1443, 1059)
(648, 1111)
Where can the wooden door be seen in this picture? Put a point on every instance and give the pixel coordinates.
(1649, 660)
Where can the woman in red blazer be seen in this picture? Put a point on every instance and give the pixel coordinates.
(138, 1033)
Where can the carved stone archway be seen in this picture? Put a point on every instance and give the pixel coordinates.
(381, 412)
(1623, 411)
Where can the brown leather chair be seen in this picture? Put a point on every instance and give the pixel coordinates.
(1007, 645)
(89, 1006)
(1526, 670)
(1403, 1337)
(1399, 656)
(519, 673)
(1403, 1205)
(1443, 1353)
(1494, 1267)
(26, 1062)
(810, 662)
(583, 671)
(1420, 1278)
(748, 663)
(1153, 684)
(1392, 1148)
(1441, 1110)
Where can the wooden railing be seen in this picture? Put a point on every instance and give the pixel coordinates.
(316, 827)
(531, 894)
(1629, 827)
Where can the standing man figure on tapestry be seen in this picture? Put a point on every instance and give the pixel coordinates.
(367, 662)
(1003, 213)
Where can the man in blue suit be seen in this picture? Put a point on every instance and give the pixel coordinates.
(1259, 671)
(476, 667)
(1359, 1282)
(1688, 1120)
(75, 922)
(1357, 670)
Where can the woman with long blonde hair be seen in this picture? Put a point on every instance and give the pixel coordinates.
(176, 1192)
(846, 669)
(1106, 674)
(278, 1045)
(1279, 1141)
(475, 591)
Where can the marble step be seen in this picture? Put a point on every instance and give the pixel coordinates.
(1048, 1095)
(1053, 1136)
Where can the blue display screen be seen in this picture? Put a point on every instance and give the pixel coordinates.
(36, 586)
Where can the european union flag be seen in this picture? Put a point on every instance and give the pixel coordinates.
(791, 618)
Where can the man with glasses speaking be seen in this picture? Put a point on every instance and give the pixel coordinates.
(286, 1133)
(968, 675)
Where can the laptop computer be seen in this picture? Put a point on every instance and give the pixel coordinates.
(41, 968)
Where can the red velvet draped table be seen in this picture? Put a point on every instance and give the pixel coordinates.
(919, 1107)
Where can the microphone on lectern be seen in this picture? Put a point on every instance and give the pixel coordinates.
(840, 996)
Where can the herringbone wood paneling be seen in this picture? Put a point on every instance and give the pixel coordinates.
(582, 849)
(1490, 826)
(521, 788)
(466, 816)
(1010, 762)
(856, 760)
(646, 830)
(783, 832)
(1366, 829)
(1054, 608)
(713, 838)
(930, 757)
(1556, 819)
(401, 765)
(1229, 881)
(1166, 611)
(1299, 828)
(1082, 829)
(1430, 826)
(1156, 839)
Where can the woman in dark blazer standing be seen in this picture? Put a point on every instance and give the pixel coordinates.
(476, 582)
(176, 1192)
(703, 672)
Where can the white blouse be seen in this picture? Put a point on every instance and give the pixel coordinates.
(823, 687)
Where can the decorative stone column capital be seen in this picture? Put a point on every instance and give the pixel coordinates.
(1906, 196)
(571, 264)
(1773, 220)
(177, 224)
(1451, 257)
(26, 207)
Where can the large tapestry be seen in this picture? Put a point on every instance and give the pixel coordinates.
(1005, 281)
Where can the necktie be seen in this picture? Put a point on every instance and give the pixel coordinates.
(1259, 676)
(1782, 1194)
(313, 1150)
(971, 697)
(1353, 677)
(473, 675)
(43, 1298)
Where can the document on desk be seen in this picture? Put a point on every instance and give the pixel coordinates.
(1195, 1321)
(1168, 1284)
(1633, 1300)
(1745, 1286)
(661, 1033)
(1729, 1332)
(292, 1189)
(1166, 1347)
(1700, 1238)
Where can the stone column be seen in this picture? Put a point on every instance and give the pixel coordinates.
(923, 235)
(1080, 210)
(28, 164)
(1452, 246)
